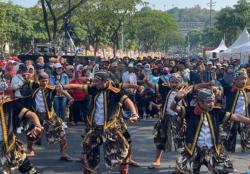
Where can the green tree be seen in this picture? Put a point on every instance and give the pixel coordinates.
(211, 37)
(119, 11)
(16, 26)
(194, 38)
(3, 23)
(174, 38)
(92, 18)
(39, 31)
(53, 14)
(226, 22)
(242, 10)
(150, 28)
(103, 21)
(231, 21)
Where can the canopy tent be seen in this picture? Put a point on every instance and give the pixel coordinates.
(242, 39)
(245, 48)
(235, 51)
(221, 47)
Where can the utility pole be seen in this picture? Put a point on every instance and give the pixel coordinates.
(153, 6)
(211, 4)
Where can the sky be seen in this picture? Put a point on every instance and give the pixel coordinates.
(160, 4)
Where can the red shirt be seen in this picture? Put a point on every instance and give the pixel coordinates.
(77, 94)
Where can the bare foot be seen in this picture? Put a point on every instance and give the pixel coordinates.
(30, 153)
(154, 165)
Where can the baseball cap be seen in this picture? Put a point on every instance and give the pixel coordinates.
(114, 64)
(57, 65)
(131, 65)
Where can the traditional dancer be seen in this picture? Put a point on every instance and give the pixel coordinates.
(12, 152)
(202, 142)
(169, 124)
(42, 104)
(237, 101)
(104, 124)
(124, 128)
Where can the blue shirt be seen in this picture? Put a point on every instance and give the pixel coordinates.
(63, 81)
(153, 79)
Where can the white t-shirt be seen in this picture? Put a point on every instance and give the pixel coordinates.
(40, 106)
(241, 105)
(16, 83)
(130, 78)
(205, 138)
(99, 111)
(170, 100)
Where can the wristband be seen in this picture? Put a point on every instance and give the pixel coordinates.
(134, 115)
(40, 127)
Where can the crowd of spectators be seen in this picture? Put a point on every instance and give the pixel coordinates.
(125, 70)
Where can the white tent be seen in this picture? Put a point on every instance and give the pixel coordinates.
(245, 48)
(242, 39)
(244, 52)
(234, 50)
(221, 47)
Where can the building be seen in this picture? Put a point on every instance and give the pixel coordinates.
(185, 27)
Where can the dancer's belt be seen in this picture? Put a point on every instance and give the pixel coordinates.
(98, 126)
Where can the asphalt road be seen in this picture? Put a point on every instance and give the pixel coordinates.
(47, 156)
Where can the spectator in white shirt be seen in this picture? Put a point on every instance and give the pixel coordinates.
(17, 83)
(129, 77)
(19, 80)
